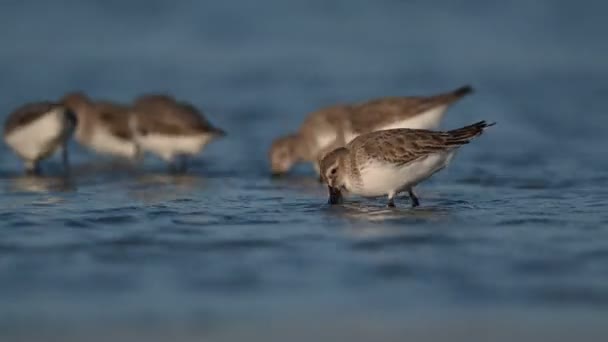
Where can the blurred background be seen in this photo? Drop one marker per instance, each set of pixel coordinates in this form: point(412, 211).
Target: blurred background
point(513, 237)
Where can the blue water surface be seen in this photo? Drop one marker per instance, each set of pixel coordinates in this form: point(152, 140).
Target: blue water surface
point(511, 240)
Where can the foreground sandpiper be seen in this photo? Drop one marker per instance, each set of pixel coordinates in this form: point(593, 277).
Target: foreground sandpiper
point(35, 131)
point(333, 127)
point(392, 161)
point(103, 126)
point(170, 129)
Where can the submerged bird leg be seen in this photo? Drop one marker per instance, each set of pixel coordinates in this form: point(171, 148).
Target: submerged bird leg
point(413, 198)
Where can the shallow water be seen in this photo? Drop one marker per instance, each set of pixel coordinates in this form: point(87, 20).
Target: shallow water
point(511, 241)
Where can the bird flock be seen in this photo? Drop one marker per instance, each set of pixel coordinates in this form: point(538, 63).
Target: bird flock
point(382, 147)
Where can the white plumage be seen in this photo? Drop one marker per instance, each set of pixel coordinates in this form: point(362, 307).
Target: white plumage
point(168, 147)
point(102, 141)
point(40, 138)
point(380, 178)
point(426, 120)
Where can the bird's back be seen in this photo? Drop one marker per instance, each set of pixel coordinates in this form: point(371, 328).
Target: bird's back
point(163, 114)
point(27, 114)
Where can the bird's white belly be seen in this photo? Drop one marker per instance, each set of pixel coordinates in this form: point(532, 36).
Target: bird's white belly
point(429, 119)
point(167, 146)
point(39, 138)
point(104, 142)
point(380, 178)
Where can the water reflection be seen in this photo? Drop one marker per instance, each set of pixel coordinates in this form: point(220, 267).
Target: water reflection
point(302, 183)
point(41, 184)
point(162, 187)
point(371, 211)
point(104, 166)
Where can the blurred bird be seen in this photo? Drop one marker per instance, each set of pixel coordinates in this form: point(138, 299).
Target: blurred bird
point(103, 126)
point(334, 127)
point(36, 130)
point(391, 161)
point(171, 129)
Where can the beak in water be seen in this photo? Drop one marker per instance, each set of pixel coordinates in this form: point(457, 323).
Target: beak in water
point(335, 196)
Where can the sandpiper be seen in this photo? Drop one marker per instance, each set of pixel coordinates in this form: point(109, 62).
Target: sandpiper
point(36, 130)
point(171, 129)
point(103, 126)
point(392, 161)
point(333, 127)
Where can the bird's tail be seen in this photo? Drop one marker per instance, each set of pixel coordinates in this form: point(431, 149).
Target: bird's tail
point(465, 134)
point(462, 91)
point(456, 94)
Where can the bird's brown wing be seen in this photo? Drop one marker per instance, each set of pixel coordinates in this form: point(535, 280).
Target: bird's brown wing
point(163, 114)
point(116, 119)
point(26, 114)
point(371, 115)
point(402, 146)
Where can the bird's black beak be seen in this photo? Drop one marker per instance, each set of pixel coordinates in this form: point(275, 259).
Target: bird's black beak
point(335, 196)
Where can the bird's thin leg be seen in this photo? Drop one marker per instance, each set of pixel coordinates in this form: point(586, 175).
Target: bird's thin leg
point(413, 198)
point(32, 168)
point(65, 158)
point(138, 157)
point(391, 200)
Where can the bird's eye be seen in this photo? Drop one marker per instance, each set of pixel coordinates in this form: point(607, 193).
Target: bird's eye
point(333, 171)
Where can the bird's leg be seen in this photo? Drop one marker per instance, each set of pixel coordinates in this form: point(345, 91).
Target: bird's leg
point(138, 157)
point(391, 200)
point(32, 168)
point(413, 198)
point(65, 159)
